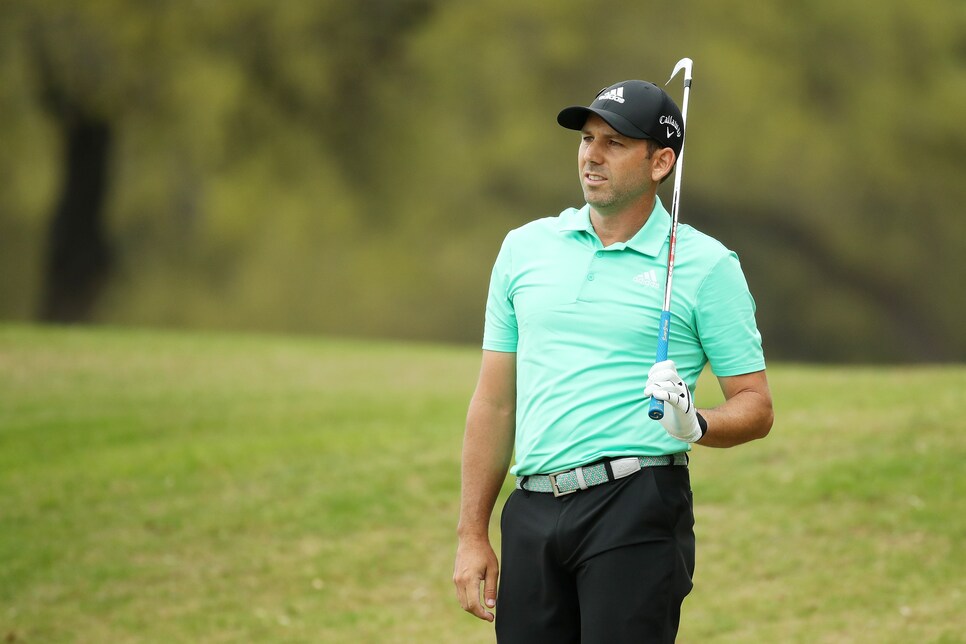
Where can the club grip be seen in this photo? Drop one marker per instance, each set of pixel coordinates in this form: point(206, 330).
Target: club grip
point(656, 410)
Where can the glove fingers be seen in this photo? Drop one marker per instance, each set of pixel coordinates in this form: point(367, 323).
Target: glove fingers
point(675, 386)
point(662, 385)
point(670, 394)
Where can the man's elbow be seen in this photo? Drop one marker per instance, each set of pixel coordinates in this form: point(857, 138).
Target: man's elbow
point(766, 418)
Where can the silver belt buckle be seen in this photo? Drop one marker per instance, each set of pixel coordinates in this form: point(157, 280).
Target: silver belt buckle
point(553, 484)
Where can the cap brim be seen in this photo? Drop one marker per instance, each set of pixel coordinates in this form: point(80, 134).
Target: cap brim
point(573, 118)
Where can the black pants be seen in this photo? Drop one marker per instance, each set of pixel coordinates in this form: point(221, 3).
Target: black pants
point(610, 564)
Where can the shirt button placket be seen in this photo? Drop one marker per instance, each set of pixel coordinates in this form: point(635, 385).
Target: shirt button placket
point(591, 275)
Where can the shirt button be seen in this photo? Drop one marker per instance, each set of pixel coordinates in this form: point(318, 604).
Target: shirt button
point(599, 253)
point(590, 277)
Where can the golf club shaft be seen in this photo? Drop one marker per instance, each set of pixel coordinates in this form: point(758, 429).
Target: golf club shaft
point(656, 409)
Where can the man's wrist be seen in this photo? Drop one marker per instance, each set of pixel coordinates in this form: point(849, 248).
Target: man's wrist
point(477, 532)
point(702, 424)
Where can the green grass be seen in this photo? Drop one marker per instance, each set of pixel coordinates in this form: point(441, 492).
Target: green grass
point(176, 487)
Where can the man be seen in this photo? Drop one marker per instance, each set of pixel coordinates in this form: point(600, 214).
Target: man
point(597, 539)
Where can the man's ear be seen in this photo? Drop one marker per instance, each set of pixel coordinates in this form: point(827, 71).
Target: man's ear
point(662, 162)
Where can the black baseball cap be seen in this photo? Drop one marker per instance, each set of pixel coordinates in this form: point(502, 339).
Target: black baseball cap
point(635, 108)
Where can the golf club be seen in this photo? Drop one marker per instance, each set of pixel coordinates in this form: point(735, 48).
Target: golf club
point(656, 410)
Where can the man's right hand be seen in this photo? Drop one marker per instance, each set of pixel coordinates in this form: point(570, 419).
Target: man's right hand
point(476, 563)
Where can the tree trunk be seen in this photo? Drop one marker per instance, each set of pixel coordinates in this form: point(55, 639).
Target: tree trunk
point(79, 258)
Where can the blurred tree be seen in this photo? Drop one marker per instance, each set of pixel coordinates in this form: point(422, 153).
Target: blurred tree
point(79, 258)
point(74, 55)
point(99, 66)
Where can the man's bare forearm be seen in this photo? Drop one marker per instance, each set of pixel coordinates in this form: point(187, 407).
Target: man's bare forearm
point(745, 415)
point(487, 449)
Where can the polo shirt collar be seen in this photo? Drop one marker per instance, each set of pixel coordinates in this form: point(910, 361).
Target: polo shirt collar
point(575, 220)
point(648, 240)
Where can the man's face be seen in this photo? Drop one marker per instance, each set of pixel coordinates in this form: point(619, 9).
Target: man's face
point(615, 170)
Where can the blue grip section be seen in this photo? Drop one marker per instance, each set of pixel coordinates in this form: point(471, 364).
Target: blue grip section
point(656, 410)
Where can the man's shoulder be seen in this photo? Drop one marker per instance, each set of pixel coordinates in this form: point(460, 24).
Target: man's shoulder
point(702, 244)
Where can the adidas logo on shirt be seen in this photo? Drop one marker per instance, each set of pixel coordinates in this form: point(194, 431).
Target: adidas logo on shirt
point(616, 94)
point(647, 278)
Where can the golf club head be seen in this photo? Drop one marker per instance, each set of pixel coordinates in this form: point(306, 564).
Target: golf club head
point(685, 64)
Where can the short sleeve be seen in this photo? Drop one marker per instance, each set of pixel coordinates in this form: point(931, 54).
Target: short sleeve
point(500, 327)
point(725, 320)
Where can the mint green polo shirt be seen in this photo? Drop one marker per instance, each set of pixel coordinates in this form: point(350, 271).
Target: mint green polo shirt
point(583, 321)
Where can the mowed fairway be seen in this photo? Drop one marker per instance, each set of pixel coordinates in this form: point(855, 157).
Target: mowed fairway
point(175, 487)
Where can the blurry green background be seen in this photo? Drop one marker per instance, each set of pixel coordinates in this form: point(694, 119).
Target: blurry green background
point(351, 167)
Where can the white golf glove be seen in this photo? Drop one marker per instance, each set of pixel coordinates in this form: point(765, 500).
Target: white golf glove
point(680, 416)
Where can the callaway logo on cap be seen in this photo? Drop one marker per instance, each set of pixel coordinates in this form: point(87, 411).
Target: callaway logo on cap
point(635, 108)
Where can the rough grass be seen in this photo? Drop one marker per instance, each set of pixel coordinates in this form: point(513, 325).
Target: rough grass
point(159, 487)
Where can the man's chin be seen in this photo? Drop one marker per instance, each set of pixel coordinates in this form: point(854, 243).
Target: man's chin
point(597, 203)
point(595, 198)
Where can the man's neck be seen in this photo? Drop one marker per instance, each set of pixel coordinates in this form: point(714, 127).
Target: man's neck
point(622, 225)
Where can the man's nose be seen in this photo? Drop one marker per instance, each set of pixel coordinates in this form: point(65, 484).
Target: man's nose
point(593, 152)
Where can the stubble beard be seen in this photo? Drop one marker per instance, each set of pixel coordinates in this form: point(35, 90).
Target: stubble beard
point(610, 200)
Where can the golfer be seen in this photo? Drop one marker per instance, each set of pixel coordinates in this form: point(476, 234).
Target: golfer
point(597, 537)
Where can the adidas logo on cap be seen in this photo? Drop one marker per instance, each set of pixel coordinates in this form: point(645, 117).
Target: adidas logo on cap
point(616, 94)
